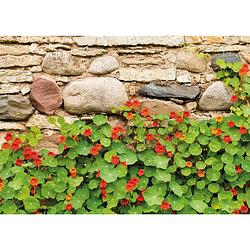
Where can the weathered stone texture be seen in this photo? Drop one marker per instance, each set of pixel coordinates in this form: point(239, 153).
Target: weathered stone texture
point(15, 107)
point(93, 94)
point(8, 61)
point(45, 95)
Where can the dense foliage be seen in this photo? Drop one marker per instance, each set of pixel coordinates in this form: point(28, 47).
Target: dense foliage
point(163, 164)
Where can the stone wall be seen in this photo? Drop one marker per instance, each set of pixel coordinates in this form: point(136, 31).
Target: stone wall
point(75, 77)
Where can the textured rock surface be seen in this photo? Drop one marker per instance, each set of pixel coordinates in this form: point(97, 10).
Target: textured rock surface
point(11, 126)
point(226, 56)
point(183, 76)
point(13, 61)
point(15, 75)
point(8, 89)
point(45, 95)
point(93, 94)
point(147, 75)
point(103, 65)
point(216, 97)
point(175, 91)
point(49, 142)
point(62, 63)
point(15, 107)
point(161, 107)
point(14, 49)
point(190, 61)
point(170, 41)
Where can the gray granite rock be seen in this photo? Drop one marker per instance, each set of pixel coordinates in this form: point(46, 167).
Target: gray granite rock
point(93, 94)
point(170, 91)
point(62, 63)
point(216, 97)
point(103, 65)
point(228, 57)
point(15, 107)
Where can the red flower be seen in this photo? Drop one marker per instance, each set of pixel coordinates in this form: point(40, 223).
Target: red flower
point(218, 132)
point(244, 209)
point(231, 124)
point(145, 112)
point(50, 153)
point(136, 104)
point(129, 186)
point(169, 154)
point(234, 191)
point(227, 139)
point(27, 155)
point(6, 145)
point(124, 202)
point(114, 159)
point(19, 162)
point(17, 141)
point(168, 138)
point(238, 169)
point(68, 207)
point(236, 211)
point(38, 162)
point(33, 181)
point(243, 130)
point(155, 124)
point(179, 119)
point(87, 132)
point(114, 135)
point(234, 98)
point(27, 150)
point(98, 173)
point(244, 69)
point(140, 198)
point(172, 115)
point(34, 155)
point(103, 184)
point(165, 205)
point(129, 103)
point(8, 136)
point(160, 149)
point(103, 191)
point(104, 196)
point(141, 172)
point(94, 151)
point(134, 181)
point(124, 163)
point(62, 139)
point(98, 146)
point(15, 146)
point(178, 134)
point(150, 137)
point(186, 114)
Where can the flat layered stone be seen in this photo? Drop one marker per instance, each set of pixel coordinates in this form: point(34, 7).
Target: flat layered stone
point(190, 61)
point(15, 50)
point(49, 142)
point(93, 94)
point(183, 76)
point(15, 75)
point(62, 63)
point(170, 41)
point(15, 107)
point(103, 65)
point(228, 57)
point(170, 91)
point(161, 107)
point(216, 97)
point(12, 126)
point(88, 52)
point(147, 75)
point(8, 61)
point(45, 95)
point(8, 89)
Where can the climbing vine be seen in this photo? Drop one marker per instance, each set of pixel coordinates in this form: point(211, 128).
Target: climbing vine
point(164, 164)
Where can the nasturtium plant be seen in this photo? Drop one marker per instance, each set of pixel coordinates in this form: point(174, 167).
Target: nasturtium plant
point(158, 164)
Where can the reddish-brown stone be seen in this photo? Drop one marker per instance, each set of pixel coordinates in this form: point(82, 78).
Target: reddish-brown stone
point(45, 95)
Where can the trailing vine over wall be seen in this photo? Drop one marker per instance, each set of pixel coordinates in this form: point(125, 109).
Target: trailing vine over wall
point(155, 164)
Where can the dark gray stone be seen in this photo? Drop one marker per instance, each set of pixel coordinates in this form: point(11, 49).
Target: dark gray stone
point(228, 57)
point(170, 91)
point(15, 107)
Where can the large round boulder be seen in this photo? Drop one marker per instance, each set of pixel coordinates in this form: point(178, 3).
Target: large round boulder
point(93, 94)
